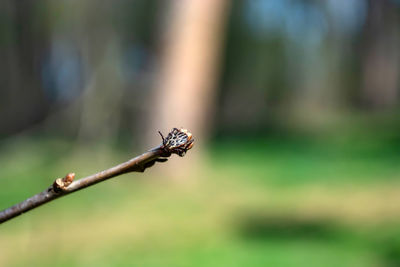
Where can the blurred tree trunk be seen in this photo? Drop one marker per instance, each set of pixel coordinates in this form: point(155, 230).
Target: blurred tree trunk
point(186, 88)
point(381, 55)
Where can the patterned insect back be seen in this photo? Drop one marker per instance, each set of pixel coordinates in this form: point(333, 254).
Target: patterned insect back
point(178, 141)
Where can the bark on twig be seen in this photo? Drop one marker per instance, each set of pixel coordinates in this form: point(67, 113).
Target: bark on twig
point(178, 142)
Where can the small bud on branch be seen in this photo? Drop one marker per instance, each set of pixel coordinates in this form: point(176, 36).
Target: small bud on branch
point(61, 184)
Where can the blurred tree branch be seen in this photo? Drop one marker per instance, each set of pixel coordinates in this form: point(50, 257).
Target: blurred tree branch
point(178, 141)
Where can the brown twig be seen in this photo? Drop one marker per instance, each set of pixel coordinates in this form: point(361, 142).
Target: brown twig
point(178, 142)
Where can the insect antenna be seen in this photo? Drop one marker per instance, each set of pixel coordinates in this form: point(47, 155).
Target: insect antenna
point(162, 136)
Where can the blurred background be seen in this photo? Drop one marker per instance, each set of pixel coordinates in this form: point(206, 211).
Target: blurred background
point(293, 105)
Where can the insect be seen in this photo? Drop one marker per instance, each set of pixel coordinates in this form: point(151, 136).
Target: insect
point(178, 141)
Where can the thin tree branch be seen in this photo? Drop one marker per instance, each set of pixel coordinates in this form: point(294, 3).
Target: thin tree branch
point(178, 141)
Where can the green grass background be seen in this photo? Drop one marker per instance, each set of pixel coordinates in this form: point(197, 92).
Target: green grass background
point(250, 202)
